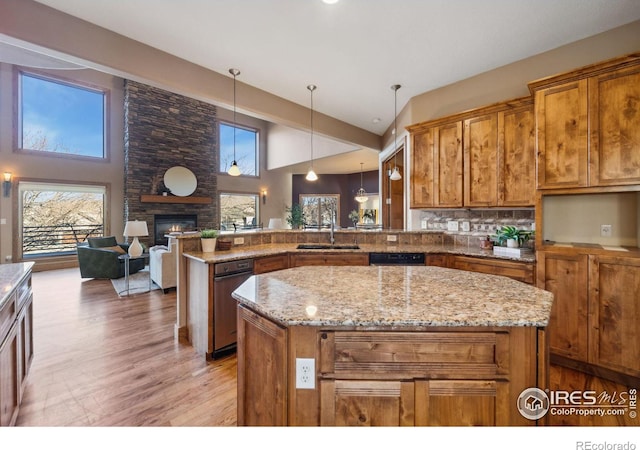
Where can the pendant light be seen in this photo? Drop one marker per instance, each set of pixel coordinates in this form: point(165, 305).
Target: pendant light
point(234, 170)
point(395, 175)
point(311, 175)
point(361, 195)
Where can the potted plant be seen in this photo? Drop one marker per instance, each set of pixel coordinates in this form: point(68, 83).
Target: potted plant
point(295, 216)
point(354, 217)
point(208, 240)
point(511, 236)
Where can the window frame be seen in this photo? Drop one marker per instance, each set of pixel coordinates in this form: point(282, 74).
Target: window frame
point(69, 82)
point(319, 196)
point(239, 193)
point(23, 184)
point(239, 126)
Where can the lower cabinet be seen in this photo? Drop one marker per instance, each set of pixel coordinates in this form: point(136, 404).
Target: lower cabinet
point(596, 312)
point(329, 259)
point(16, 347)
point(267, 264)
point(520, 271)
point(440, 377)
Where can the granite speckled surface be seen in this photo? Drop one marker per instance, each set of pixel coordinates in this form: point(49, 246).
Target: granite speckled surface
point(10, 276)
point(393, 297)
point(256, 251)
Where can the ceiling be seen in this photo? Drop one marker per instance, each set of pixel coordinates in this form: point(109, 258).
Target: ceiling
point(353, 50)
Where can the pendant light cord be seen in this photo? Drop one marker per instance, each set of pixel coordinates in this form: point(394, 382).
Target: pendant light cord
point(311, 88)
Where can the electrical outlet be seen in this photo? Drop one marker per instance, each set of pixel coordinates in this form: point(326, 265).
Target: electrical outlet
point(238, 241)
point(3, 221)
point(305, 373)
point(452, 225)
point(466, 226)
point(392, 238)
point(605, 230)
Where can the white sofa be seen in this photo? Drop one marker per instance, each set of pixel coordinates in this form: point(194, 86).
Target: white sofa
point(162, 265)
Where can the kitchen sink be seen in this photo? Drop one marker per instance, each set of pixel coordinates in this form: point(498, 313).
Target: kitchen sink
point(327, 247)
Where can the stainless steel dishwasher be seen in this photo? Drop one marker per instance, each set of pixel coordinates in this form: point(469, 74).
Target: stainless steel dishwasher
point(227, 277)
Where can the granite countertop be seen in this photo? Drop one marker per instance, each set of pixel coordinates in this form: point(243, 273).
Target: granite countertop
point(257, 251)
point(10, 276)
point(393, 297)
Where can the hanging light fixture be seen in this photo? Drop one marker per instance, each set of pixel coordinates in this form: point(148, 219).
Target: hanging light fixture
point(395, 175)
point(311, 175)
point(234, 170)
point(361, 195)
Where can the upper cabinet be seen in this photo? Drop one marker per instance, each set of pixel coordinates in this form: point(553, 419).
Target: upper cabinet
point(479, 158)
point(588, 126)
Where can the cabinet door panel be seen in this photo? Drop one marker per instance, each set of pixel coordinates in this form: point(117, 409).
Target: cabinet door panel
point(367, 403)
point(566, 276)
point(614, 109)
point(462, 403)
point(615, 313)
point(517, 157)
point(449, 165)
point(561, 117)
point(422, 169)
point(480, 161)
point(9, 383)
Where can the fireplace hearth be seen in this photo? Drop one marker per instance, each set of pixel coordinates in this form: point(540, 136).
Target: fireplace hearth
point(167, 223)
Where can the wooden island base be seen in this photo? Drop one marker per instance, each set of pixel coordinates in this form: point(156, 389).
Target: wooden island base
point(437, 376)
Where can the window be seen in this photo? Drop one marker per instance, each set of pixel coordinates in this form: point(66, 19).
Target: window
point(238, 211)
point(61, 118)
point(320, 210)
point(246, 148)
point(55, 217)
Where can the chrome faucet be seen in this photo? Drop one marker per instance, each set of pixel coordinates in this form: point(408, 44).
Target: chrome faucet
point(332, 220)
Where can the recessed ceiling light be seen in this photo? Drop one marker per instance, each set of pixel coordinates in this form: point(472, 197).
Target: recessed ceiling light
point(330, 2)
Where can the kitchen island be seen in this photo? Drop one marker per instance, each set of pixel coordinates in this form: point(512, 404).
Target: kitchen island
point(401, 345)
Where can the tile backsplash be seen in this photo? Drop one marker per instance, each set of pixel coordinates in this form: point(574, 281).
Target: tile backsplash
point(476, 222)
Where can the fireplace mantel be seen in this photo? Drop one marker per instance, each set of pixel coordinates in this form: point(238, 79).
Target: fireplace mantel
point(174, 199)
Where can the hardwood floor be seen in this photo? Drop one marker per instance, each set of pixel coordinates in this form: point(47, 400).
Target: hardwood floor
point(101, 360)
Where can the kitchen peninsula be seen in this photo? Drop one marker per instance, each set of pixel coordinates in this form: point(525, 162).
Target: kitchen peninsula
point(382, 345)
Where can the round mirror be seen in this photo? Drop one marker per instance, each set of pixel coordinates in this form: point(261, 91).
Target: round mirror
point(180, 181)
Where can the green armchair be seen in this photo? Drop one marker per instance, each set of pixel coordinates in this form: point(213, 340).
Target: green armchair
point(98, 258)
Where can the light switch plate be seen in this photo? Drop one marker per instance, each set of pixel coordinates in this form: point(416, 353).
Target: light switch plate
point(452, 225)
point(392, 238)
point(465, 226)
point(238, 241)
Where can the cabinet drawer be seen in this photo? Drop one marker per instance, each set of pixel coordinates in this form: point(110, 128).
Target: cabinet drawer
point(329, 259)
point(517, 270)
point(23, 292)
point(270, 263)
point(7, 315)
point(397, 355)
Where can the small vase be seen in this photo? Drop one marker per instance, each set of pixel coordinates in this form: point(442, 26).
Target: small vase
point(208, 245)
point(513, 243)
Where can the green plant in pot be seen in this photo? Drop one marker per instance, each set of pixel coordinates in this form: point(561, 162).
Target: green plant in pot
point(354, 216)
point(295, 216)
point(208, 239)
point(511, 236)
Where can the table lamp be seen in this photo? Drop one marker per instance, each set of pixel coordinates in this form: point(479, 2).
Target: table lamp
point(135, 228)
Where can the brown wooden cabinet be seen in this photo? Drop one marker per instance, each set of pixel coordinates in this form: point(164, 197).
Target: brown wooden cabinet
point(328, 259)
point(437, 170)
point(614, 313)
point(566, 276)
point(270, 263)
point(521, 271)
point(479, 158)
point(588, 125)
point(262, 371)
point(16, 347)
point(595, 315)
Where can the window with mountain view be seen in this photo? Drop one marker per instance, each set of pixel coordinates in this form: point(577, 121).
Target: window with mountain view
point(60, 117)
point(56, 217)
point(238, 211)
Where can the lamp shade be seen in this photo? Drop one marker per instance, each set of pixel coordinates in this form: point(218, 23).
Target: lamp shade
point(135, 228)
point(276, 224)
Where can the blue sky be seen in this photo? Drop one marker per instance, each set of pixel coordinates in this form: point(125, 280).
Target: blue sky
point(70, 118)
point(245, 149)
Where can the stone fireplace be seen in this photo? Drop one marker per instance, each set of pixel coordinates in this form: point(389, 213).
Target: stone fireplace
point(167, 223)
point(163, 130)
